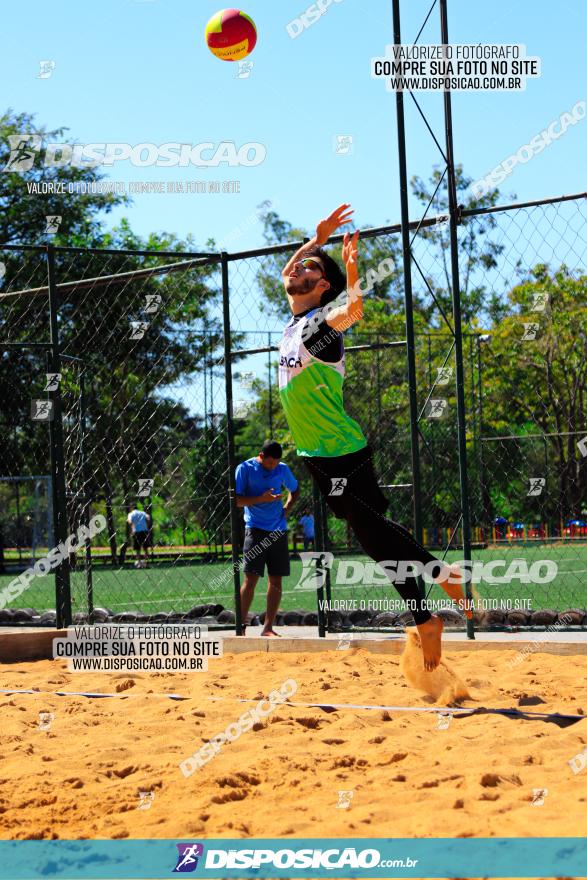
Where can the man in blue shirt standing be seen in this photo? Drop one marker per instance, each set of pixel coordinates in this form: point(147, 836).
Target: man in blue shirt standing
point(259, 484)
point(138, 521)
point(307, 523)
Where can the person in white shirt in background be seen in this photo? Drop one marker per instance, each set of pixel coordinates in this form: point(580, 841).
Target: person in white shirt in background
point(139, 523)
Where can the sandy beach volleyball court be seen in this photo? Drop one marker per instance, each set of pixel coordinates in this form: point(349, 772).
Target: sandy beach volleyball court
point(108, 768)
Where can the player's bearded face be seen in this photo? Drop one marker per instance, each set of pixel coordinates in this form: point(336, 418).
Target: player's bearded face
point(304, 276)
point(298, 284)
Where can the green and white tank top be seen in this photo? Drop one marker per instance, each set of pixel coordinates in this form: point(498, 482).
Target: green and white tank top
point(311, 394)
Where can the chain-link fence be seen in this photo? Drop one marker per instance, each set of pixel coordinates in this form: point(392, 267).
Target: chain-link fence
point(117, 383)
point(27, 526)
point(525, 573)
point(529, 467)
point(113, 370)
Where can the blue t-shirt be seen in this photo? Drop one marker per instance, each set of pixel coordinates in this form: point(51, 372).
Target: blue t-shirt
point(252, 479)
point(139, 522)
point(307, 524)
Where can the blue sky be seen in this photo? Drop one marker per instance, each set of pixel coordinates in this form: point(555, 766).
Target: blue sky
point(139, 71)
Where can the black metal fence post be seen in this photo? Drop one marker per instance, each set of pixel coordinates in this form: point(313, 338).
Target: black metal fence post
point(326, 544)
point(62, 576)
point(458, 330)
point(234, 529)
point(409, 303)
point(86, 498)
point(320, 559)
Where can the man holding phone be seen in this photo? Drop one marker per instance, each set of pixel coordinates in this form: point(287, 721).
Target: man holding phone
point(259, 484)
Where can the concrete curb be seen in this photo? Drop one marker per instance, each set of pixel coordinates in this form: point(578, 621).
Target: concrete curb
point(38, 645)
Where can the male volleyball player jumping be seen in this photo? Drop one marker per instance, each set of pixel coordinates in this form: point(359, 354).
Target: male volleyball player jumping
point(332, 444)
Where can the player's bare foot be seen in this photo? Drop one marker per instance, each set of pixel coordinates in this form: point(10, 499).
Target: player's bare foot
point(271, 633)
point(430, 636)
point(451, 581)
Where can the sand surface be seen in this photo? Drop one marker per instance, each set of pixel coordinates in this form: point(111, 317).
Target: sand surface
point(83, 777)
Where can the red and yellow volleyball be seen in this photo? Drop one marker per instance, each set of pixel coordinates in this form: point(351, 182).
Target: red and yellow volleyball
point(231, 34)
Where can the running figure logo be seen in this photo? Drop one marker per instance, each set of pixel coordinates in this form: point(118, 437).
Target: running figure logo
point(42, 410)
point(539, 302)
point(22, 157)
point(53, 380)
point(138, 329)
point(343, 144)
point(530, 332)
point(52, 223)
point(45, 720)
point(436, 409)
point(146, 800)
point(444, 720)
point(145, 486)
point(344, 799)
point(314, 567)
point(187, 860)
point(245, 69)
point(537, 484)
point(444, 375)
point(46, 69)
point(338, 484)
point(153, 303)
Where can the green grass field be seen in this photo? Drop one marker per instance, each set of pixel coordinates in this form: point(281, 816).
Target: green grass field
point(174, 587)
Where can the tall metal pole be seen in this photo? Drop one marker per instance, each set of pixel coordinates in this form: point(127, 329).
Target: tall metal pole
point(485, 497)
point(270, 386)
point(86, 495)
point(234, 529)
point(206, 347)
point(475, 432)
point(18, 523)
point(212, 426)
point(50, 513)
point(207, 432)
point(408, 298)
point(326, 544)
point(458, 330)
point(62, 581)
point(320, 547)
point(378, 369)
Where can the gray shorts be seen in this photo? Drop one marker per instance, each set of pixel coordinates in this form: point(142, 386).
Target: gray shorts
point(266, 548)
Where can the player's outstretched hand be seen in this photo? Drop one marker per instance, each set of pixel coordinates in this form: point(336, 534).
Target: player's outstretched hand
point(338, 218)
point(349, 250)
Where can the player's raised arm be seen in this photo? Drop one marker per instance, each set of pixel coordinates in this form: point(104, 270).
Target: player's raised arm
point(324, 229)
point(344, 316)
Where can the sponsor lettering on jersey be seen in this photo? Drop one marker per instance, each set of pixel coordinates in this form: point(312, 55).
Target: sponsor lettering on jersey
point(289, 362)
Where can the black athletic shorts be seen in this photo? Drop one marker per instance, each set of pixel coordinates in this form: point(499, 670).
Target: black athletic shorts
point(266, 548)
point(140, 540)
point(346, 480)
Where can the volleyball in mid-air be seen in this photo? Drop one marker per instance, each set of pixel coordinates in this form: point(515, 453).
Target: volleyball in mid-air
point(231, 34)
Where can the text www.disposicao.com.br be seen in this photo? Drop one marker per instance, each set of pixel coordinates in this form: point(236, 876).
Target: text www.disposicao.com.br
point(135, 664)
